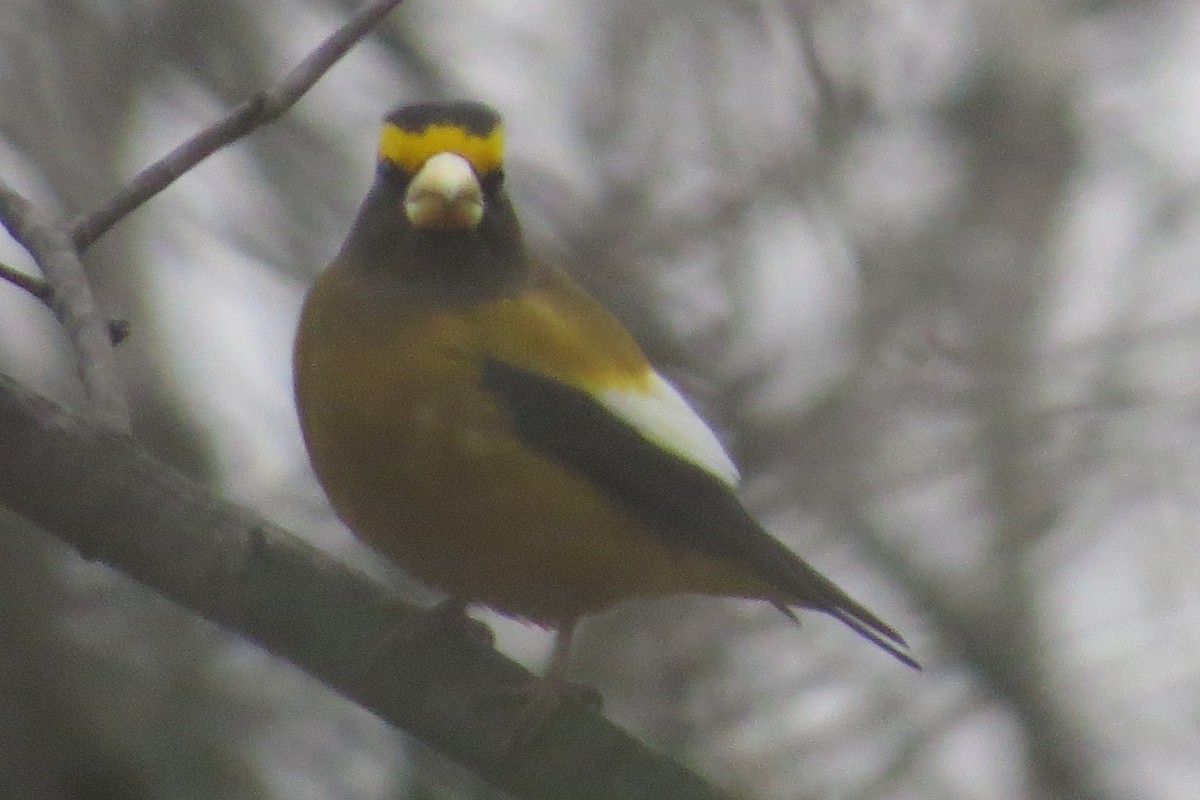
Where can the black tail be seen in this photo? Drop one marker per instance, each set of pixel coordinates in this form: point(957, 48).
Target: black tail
point(871, 628)
point(839, 605)
point(868, 626)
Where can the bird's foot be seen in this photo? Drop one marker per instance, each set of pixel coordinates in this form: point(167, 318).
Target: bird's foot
point(538, 701)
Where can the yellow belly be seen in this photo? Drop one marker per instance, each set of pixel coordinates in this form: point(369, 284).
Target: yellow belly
point(423, 465)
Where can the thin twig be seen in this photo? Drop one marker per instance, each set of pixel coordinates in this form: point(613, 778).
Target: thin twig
point(65, 289)
point(35, 286)
point(118, 329)
point(47, 241)
point(257, 111)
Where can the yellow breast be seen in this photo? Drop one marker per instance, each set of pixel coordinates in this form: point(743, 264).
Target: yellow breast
point(424, 465)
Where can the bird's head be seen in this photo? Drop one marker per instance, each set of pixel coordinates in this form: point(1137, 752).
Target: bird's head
point(437, 217)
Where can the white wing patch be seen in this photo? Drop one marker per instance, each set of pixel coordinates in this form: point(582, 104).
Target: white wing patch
point(662, 415)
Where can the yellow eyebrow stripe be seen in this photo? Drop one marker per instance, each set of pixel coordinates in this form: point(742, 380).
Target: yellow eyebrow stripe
point(409, 150)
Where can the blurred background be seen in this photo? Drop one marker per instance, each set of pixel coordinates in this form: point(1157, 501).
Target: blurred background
point(929, 266)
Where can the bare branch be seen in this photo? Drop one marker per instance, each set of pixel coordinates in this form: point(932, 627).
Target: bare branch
point(72, 301)
point(118, 329)
point(257, 111)
point(35, 286)
point(65, 288)
point(105, 496)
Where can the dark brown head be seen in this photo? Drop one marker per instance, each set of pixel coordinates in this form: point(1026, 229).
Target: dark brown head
point(437, 218)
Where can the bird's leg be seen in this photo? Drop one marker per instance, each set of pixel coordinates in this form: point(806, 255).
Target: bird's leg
point(541, 698)
point(558, 656)
point(555, 679)
point(554, 686)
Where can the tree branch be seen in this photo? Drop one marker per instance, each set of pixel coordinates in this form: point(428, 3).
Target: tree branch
point(31, 284)
point(118, 329)
point(257, 111)
point(107, 498)
point(72, 302)
point(65, 289)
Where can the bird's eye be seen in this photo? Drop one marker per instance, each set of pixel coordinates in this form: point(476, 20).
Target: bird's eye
point(392, 174)
point(493, 180)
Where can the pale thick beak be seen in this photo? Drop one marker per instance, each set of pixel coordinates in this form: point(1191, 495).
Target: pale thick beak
point(444, 194)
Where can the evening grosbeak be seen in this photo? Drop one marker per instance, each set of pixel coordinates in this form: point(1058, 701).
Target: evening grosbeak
point(484, 423)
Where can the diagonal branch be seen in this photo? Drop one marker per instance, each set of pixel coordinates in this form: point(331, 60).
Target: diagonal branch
point(23, 280)
point(259, 110)
point(107, 498)
point(65, 288)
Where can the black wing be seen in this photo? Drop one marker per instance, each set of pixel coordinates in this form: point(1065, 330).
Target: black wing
point(689, 507)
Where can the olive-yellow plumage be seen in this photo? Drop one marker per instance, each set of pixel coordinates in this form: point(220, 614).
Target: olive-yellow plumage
point(424, 465)
point(487, 425)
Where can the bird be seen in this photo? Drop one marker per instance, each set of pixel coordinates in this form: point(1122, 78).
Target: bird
point(483, 422)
